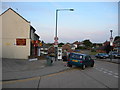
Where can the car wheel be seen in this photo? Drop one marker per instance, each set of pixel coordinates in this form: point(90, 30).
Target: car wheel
point(92, 65)
point(83, 67)
point(69, 65)
point(104, 57)
point(115, 57)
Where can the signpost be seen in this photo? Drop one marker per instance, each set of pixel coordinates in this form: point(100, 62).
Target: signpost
point(56, 47)
point(56, 38)
point(111, 44)
point(20, 42)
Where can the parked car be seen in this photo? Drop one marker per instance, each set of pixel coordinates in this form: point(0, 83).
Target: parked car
point(64, 58)
point(81, 60)
point(102, 55)
point(114, 54)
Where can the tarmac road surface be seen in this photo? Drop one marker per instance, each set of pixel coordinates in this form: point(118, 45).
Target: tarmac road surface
point(102, 75)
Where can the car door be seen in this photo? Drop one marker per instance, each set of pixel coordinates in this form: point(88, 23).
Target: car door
point(89, 60)
point(86, 60)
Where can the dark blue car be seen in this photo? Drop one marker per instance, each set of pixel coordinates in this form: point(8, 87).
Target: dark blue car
point(114, 54)
point(102, 55)
point(81, 60)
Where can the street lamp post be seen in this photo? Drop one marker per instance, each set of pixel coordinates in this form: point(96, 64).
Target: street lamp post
point(111, 44)
point(56, 37)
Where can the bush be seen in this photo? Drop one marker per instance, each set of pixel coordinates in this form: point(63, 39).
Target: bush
point(81, 47)
point(93, 50)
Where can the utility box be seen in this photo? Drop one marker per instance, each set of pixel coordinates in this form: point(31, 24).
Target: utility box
point(49, 61)
point(59, 53)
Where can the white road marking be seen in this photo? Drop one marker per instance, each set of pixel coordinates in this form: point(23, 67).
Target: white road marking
point(116, 73)
point(104, 72)
point(115, 76)
point(109, 73)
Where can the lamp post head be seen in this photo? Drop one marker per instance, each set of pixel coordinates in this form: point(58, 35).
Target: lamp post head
point(71, 9)
point(110, 30)
point(65, 10)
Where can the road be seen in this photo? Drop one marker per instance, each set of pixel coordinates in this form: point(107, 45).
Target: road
point(102, 75)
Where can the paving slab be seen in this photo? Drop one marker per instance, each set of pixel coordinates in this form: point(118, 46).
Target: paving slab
point(16, 69)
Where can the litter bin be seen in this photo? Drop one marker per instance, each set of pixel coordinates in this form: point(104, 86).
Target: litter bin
point(49, 60)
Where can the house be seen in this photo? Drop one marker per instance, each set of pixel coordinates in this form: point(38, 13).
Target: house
point(78, 44)
point(67, 47)
point(17, 35)
point(34, 41)
point(116, 44)
point(104, 48)
point(75, 44)
point(81, 44)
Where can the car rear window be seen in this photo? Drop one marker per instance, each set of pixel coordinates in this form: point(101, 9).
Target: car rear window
point(102, 54)
point(76, 56)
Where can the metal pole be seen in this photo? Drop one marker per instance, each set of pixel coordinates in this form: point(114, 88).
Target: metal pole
point(56, 51)
point(56, 45)
point(111, 46)
point(111, 32)
point(56, 22)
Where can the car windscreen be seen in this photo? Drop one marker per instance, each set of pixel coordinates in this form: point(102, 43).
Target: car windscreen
point(113, 53)
point(76, 56)
point(102, 54)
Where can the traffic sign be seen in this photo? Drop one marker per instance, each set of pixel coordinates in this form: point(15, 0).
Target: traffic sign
point(56, 38)
point(56, 43)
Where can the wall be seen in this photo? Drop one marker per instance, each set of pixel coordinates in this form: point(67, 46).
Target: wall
point(13, 26)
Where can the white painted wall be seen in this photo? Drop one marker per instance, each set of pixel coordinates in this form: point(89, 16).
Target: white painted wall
point(13, 26)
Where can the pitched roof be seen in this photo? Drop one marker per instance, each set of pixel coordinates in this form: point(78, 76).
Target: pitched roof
point(31, 27)
point(16, 13)
point(76, 42)
point(37, 35)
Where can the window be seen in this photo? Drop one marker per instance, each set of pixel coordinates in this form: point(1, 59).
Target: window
point(76, 56)
point(87, 58)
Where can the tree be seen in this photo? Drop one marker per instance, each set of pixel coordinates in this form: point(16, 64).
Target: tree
point(116, 38)
point(87, 43)
point(60, 44)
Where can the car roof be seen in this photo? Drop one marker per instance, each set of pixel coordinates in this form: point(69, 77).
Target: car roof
point(102, 53)
point(79, 54)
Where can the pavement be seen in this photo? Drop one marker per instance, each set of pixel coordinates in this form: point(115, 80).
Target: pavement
point(15, 69)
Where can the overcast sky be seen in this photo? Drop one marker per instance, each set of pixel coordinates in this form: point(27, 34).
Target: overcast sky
point(89, 20)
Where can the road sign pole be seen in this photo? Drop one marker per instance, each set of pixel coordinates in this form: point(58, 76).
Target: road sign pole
point(111, 44)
